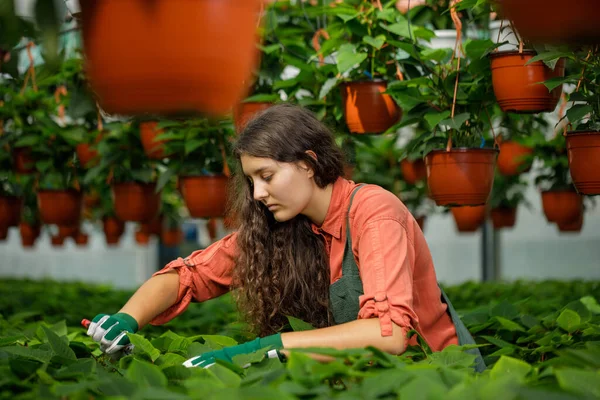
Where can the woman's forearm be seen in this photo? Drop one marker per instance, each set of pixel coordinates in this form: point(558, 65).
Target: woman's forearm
point(354, 334)
point(153, 297)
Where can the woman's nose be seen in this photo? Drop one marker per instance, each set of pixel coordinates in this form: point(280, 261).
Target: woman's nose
point(259, 192)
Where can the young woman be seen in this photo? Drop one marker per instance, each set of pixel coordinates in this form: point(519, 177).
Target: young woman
point(349, 259)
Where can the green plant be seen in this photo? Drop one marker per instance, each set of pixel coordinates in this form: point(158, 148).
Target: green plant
point(552, 155)
point(508, 192)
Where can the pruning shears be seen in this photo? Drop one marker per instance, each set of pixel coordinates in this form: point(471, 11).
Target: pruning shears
point(127, 349)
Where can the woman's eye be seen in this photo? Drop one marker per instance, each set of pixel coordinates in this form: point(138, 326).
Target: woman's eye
point(267, 178)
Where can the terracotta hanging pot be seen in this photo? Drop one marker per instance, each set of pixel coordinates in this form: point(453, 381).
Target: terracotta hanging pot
point(66, 231)
point(57, 241)
point(245, 112)
point(152, 228)
point(142, 238)
point(154, 149)
point(3, 232)
point(113, 229)
point(136, 202)
point(367, 109)
point(88, 156)
point(518, 87)
point(172, 237)
point(10, 210)
point(204, 196)
point(574, 226)
point(81, 239)
point(554, 21)
point(413, 171)
point(172, 56)
point(562, 206)
point(23, 162)
point(460, 176)
point(583, 148)
point(29, 234)
point(468, 219)
point(60, 207)
point(511, 160)
point(504, 217)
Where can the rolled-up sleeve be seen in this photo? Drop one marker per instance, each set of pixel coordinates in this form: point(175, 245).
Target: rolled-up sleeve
point(203, 275)
point(386, 264)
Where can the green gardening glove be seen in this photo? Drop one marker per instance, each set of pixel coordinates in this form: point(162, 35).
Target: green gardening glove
point(111, 331)
point(205, 360)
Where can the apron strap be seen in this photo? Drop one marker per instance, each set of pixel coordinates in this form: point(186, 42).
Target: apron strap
point(349, 266)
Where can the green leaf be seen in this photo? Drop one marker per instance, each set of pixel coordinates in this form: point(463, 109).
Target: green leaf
point(509, 325)
point(452, 356)
point(10, 340)
point(437, 55)
point(143, 346)
point(456, 122)
point(169, 359)
point(505, 310)
point(569, 320)
point(591, 304)
point(555, 82)
point(586, 383)
point(217, 342)
point(165, 177)
point(376, 42)
point(193, 144)
point(327, 86)
point(347, 58)
point(177, 372)
point(433, 119)
point(510, 366)
point(476, 49)
point(298, 324)
point(27, 352)
point(400, 28)
point(550, 58)
point(145, 374)
point(578, 112)
point(59, 347)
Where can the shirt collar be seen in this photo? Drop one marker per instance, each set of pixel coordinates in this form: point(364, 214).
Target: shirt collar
point(337, 209)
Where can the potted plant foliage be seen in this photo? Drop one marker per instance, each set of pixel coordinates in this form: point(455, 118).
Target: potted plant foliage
point(171, 234)
point(29, 227)
point(11, 200)
point(452, 96)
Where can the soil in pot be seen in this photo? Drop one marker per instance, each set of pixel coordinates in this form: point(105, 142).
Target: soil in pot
point(517, 86)
point(460, 176)
point(367, 109)
point(583, 149)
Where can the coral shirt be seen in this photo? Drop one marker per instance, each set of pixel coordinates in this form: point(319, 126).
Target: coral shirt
point(394, 262)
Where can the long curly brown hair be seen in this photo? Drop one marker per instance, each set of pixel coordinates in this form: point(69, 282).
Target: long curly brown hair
point(282, 268)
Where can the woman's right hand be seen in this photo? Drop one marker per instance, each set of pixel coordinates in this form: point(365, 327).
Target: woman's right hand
point(110, 331)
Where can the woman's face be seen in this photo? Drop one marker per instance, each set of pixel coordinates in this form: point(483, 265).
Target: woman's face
point(285, 188)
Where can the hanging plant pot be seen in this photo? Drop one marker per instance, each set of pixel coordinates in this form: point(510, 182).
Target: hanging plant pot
point(154, 149)
point(60, 207)
point(413, 171)
point(113, 229)
point(204, 196)
point(555, 21)
point(152, 228)
point(10, 210)
point(87, 155)
point(29, 234)
point(518, 87)
point(573, 226)
point(81, 239)
point(142, 238)
point(504, 217)
point(460, 176)
point(511, 160)
point(562, 206)
point(172, 237)
point(133, 70)
point(468, 219)
point(136, 202)
point(66, 231)
point(583, 148)
point(3, 232)
point(245, 112)
point(23, 162)
point(57, 241)
point(367, 109)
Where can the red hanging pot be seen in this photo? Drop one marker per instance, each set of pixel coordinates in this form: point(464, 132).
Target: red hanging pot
point(10, 210)
point(136, 202)
point(554, 21)
point(367, 109)
point(562, 206)
point(574, 226)
point(518, 87)
point(204, 196)
point(511, 160)
point(154, 149)
point(60, 207)
point(413, 171)
point(113, 229)
point(583, 148)
point(29, 234)
point(166, 56)
point(172, 237)
point(468, 219)
point(245, 112)
point(460, 176)
point(504, 217)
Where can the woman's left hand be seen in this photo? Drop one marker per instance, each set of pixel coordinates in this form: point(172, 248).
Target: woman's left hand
point(207, 359)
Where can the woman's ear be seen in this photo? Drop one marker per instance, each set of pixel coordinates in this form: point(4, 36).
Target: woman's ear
point(311, 154)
